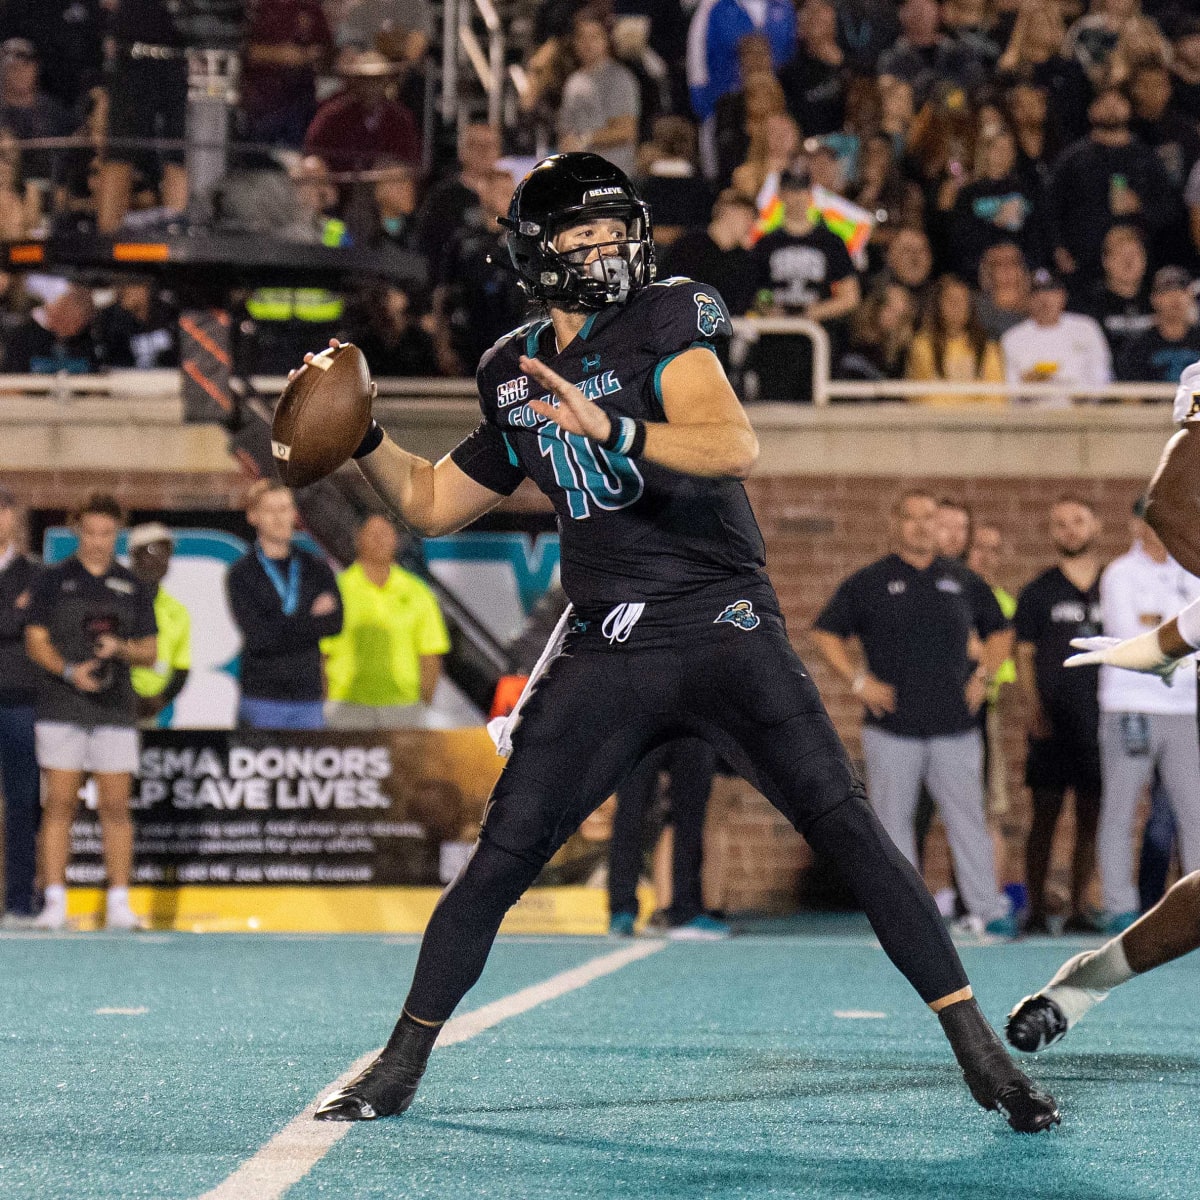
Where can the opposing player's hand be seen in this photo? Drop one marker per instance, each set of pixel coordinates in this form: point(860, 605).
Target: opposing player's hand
point(1131, 654)
point(575, 412)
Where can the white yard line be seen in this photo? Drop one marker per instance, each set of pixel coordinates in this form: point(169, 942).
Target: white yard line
point(303, 1142)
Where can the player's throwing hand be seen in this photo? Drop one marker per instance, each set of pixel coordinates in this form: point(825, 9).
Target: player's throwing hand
point(575, 412)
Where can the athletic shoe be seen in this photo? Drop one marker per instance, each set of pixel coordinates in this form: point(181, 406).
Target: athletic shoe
point(1002, 927)
point(1035, 1023)
point(388, 1086)
point(121, 916)
point(53, 916)
point(1036, 927)
point(700, 929)
point(17, 921)
point(620, 925)
point(1084, 922)
point(1115, 923)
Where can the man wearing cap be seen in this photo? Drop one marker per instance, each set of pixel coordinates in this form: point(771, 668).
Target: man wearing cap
point(1055, 346)
point(150, 548)
point(25, 110)
point(18, 756)
point(1144, 723)
point(801, 269)
point(1172, 343)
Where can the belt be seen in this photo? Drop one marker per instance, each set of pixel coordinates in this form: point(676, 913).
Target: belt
point(144, 50)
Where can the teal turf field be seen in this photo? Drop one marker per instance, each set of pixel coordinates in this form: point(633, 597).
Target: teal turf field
point(781, 1064)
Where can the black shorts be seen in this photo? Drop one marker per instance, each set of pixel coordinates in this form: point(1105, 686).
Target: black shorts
point(147, 98)
point(717, 666)
point(1066, 760)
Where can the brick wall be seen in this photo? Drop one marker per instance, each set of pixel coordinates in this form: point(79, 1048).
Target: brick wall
point(133, 489)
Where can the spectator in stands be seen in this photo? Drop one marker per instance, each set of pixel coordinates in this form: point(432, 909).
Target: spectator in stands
point(953, 528)
point(671, 184)
point(363, 124)
point(1160, 354)
point(395, 196)
point(146, 98)
point(1034, 56)
point(1053, 345)
point(974, 26)
point(1105, 178)
point(882, 189)
point(941, 149)
point(89, 621)
point(288, 45)
point(361, 24)
point(719, 255)
point(1027, 107)
point(1003, 297)
point(18, 757)
point(1191, 198)
point(739, 117)
point(881, 329)
point(909, 262)
point(15, 306)
point(1094, 40)
point(477, 298)
point(996, 206)
point(923, 56)
point(57, 336)
point(800, 269)
point(773, 146)
point(897, 109)
point(631, 48)
point(384, 665)
point(284, 601)
point(916, 616)
point(601, 103)
point(1062, 714)
point(1185, 66)
point(69, 36)
point(448, 203)
point(866, 28)
point(952, 346)
point(137, 330)
point(1144, 726)
point(392, 335)
point(1120, 302)
point(714, 38)
point(1171, 134)
point(158, 686)
point(14, 207)
point(26, 110)
point(815, 79)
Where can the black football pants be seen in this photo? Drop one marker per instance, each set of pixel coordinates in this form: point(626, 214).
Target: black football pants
point(600, 708)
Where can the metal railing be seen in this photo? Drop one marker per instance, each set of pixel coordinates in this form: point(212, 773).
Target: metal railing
point(459, 40)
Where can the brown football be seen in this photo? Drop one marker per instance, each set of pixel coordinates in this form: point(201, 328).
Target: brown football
point(322, 415)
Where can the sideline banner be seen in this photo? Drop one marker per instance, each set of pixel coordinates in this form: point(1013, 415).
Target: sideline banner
point(253, 808)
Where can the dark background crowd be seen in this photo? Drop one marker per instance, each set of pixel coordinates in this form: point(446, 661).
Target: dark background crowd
point(948, 188)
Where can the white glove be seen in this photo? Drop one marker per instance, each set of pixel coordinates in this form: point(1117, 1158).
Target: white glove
point(1141, 653)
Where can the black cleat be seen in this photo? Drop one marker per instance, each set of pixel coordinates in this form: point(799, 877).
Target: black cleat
point(1037, 1022)
point(388, 1086)
point(994, 1080)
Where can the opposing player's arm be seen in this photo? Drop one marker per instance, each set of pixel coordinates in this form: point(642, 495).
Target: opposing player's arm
point(431, 499)
point(706, 433)
point(1173, 500)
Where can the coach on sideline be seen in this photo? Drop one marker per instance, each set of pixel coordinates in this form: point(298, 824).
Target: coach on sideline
point(90, 620)
point(914, 614)
point(284, 601)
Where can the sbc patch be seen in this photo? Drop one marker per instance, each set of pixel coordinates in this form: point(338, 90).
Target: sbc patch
point(708, 314)
point(1195, 408)
point(513, 391)
point(740, 613)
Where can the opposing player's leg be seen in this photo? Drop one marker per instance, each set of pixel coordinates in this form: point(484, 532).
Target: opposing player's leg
point(770, 724)
point(1168, 931)
point(580, 734)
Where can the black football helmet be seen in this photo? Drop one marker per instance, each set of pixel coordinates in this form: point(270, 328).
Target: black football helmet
point(565, 190)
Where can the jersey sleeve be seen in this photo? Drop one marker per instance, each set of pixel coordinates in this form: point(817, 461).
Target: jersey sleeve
point(1187, 396)
point(840, 615)
point(41, 598)
point(488, 459)
point(989, 617)
point(1027, 620)
point(686, 313)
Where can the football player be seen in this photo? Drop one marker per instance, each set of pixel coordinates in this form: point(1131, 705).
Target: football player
point(614, 403)
point(1172, 927)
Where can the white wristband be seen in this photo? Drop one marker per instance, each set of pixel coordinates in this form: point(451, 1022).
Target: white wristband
point(1188, 622)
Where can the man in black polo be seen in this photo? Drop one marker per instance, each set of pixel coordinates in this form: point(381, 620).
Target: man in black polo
point(914, 614)
point(18, 758)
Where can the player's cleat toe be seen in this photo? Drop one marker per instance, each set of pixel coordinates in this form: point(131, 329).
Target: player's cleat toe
point(345, 1104)
point(1035, 1023)
point(1025, 1107)
point(385, 1089)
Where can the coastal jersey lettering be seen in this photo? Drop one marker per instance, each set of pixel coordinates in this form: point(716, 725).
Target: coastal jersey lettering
point(626, 526)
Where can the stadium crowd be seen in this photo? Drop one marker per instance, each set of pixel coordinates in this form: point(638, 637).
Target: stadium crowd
point(967, 191)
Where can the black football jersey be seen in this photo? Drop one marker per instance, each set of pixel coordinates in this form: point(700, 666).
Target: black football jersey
point(630, 530)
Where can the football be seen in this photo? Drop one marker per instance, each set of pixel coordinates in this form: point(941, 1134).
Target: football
point(322, 415)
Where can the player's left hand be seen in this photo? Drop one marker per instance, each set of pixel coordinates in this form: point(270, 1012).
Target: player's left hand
point(575, 412)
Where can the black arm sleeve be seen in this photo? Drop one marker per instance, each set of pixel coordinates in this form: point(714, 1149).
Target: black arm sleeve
point(486, 457)
point(989, 617)
point(840, 615)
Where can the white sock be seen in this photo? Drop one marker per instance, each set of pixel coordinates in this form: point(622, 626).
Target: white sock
point(1083, 981)
point(118, 897)
point(56, 895)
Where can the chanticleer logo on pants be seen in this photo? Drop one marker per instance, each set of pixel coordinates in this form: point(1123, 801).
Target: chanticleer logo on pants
point(740, 613)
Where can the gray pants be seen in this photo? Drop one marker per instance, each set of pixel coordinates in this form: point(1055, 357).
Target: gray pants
point(1127, 761)
point(952, 769)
